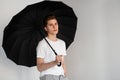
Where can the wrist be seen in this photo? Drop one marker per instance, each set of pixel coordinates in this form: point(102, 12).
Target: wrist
point(55, 62)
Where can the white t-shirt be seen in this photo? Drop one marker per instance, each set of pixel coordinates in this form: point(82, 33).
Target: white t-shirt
point(44, 51)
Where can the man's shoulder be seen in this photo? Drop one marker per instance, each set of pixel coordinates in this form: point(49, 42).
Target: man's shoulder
point(42, 42)
point(61, 41)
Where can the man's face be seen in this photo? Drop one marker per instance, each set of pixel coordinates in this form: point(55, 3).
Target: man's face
point(52, 27)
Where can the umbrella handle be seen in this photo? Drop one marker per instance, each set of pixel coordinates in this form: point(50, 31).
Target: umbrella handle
point(59, 64)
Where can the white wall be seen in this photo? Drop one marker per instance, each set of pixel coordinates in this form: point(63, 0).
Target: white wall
point(94, 55)
point(8, 69)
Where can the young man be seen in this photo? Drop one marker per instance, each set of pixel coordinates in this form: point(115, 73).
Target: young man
point(46, 59)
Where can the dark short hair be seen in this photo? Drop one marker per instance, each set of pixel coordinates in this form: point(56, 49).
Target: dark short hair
point(48, 17)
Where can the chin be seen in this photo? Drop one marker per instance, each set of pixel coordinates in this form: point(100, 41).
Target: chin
point(55, 33)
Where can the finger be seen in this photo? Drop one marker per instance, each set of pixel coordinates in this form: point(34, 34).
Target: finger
point(61, 55)
point(58, 59)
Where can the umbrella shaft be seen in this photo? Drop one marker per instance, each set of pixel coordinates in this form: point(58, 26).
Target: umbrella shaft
point(51, 47)
point(59, 64)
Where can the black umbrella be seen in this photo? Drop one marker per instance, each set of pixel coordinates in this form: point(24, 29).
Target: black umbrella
point(23, 33)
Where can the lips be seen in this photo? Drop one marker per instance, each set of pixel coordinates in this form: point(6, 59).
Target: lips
point(54, 30)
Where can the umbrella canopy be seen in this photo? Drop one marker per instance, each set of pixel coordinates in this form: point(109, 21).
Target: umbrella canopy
point(23, 33)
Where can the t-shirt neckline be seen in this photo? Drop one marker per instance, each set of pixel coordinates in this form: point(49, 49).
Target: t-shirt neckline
point(52, 40)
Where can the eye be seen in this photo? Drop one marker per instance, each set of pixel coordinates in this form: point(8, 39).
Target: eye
point(56, 23)
point(50, 25)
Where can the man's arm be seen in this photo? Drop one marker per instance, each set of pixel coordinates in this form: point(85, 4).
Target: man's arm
point(41, 66)
point(64, 67)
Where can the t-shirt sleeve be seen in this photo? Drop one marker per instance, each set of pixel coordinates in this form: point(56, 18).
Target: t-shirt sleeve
point(64, 49)
point(40, 50)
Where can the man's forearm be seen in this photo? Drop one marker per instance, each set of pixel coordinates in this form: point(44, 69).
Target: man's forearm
point(64, 68)
point(45, 66)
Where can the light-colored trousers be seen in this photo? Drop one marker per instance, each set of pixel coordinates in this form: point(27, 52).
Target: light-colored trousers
point(53, 77)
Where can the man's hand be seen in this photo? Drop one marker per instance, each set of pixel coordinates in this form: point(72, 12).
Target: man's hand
point(59, 58)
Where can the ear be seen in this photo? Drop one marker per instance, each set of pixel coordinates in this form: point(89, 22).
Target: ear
point(45, 28)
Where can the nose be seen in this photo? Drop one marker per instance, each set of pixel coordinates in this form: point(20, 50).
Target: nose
point(54, 26)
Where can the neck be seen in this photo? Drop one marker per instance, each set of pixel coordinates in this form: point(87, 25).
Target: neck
point(52, 37)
